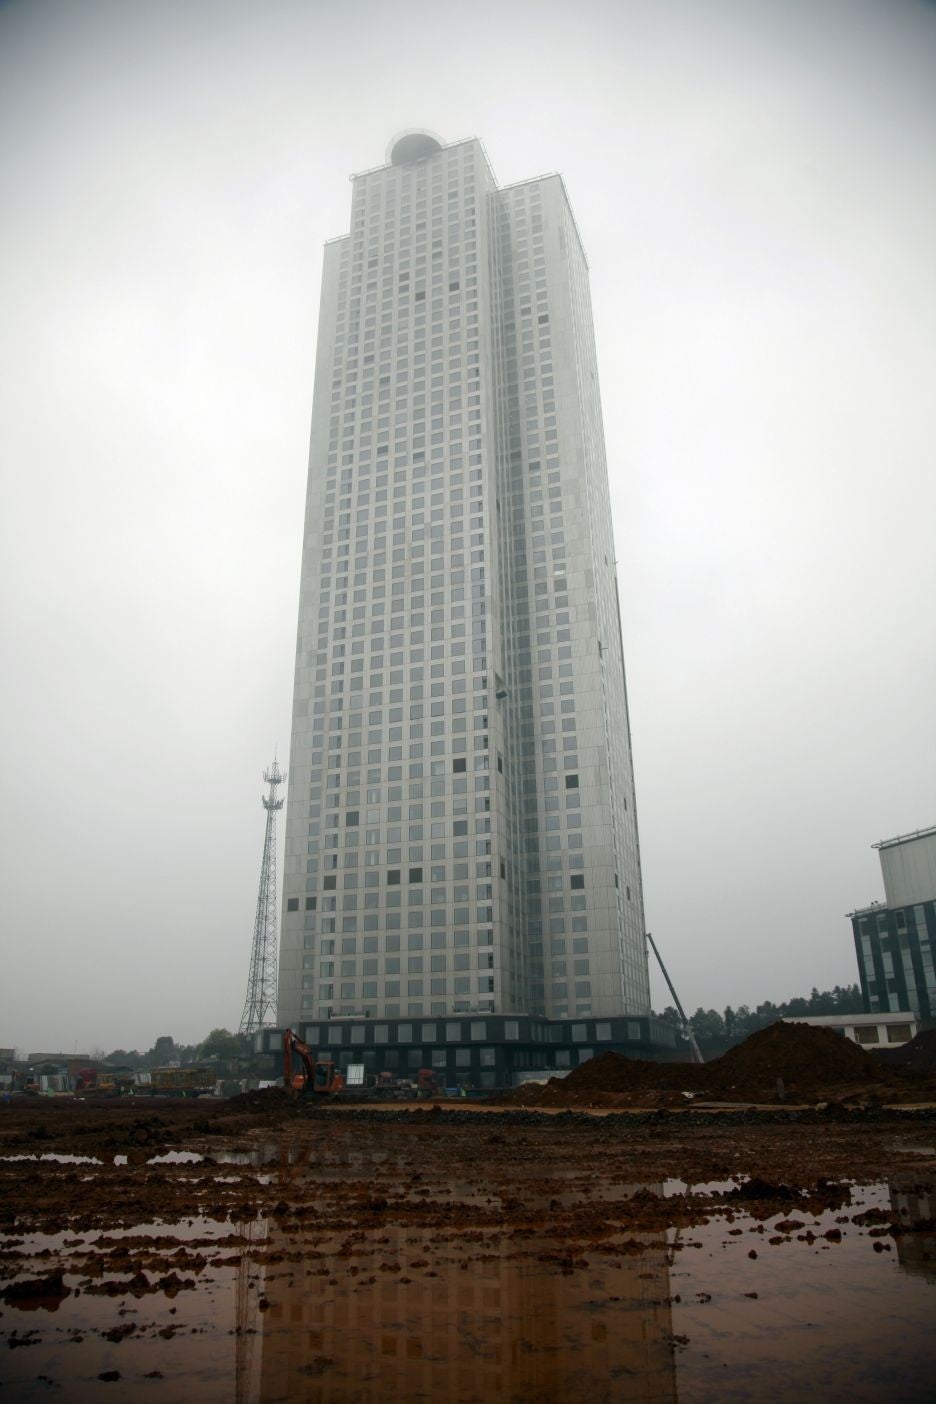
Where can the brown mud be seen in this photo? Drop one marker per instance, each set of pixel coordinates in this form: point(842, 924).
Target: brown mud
point(364, 1254)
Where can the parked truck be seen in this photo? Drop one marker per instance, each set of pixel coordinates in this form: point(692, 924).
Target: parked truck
point(179, 1082)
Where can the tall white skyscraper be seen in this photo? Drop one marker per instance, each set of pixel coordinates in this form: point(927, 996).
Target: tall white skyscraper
point(461, 831)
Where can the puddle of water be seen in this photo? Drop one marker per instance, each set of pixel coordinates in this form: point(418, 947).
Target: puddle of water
point(288, 1308)
point(59, 1157)
point(821, 1320)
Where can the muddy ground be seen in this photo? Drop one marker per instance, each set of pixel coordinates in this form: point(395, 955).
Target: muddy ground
point(407, 1164)
point(351, 1199)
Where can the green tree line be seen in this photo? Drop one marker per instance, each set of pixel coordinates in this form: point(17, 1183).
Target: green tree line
point(220, 1044)
point(732, 1025)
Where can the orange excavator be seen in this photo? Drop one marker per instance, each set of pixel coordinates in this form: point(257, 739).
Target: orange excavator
point(314, 1075)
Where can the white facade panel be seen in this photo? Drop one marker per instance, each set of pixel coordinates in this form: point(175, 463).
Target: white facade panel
point(908, 866)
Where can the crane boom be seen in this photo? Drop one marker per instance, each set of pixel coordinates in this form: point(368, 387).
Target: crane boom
point(687, 1027)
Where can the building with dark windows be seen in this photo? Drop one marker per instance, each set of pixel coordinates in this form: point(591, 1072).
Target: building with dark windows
point(461, 832)
point(895, 940)
point(496, 1051)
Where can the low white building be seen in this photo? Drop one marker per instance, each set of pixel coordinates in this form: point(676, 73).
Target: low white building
point(870, 1030)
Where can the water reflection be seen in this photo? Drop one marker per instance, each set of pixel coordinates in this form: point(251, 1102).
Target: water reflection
point(365, 1275)
point(431, 1320)
point(913, 1204)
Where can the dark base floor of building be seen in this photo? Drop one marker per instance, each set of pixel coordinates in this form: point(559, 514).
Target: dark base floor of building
point(479, 1051)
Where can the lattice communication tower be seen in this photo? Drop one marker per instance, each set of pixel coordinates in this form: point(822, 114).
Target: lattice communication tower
point(260, 1004)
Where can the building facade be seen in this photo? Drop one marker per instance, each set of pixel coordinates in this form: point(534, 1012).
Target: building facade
point(895, 940)
point(461, 831)
point(477, 1052)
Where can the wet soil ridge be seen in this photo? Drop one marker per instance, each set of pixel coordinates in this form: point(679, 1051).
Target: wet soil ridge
point(785, 1062)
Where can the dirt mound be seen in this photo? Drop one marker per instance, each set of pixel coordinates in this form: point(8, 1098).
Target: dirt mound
point(268, 1100)
point(612, 1072)
point(919, 1055)
point(810, 1061)
point(801, 1054)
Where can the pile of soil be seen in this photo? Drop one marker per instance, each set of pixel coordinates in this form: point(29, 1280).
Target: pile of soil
point(919, 1055)
point(801, 1054)
point(267, 1101)
point(813, 1063)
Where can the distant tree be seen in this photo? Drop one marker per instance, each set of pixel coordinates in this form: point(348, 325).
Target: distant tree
point(742, 1022)
point(848, 999)
point(707, 1024)
point(220, 1043)
point(163, 1051)
point(729, 1018)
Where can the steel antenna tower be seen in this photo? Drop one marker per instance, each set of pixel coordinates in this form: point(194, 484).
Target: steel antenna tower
point(260, 1004)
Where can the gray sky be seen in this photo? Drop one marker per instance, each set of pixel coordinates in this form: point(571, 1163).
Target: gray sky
point(754, 182)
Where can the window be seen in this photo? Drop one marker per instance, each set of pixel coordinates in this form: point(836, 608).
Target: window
point(292, 904)
point(478, 1030)
point(577, 880)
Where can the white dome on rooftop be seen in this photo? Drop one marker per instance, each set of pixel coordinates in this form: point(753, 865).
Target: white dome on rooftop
point(415, 144)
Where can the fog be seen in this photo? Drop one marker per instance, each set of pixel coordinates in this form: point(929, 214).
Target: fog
point(754, 186)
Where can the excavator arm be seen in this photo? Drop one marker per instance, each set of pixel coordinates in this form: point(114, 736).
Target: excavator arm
point(296, 1051)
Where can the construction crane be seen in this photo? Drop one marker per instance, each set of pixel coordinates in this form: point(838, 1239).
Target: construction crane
point(686, 1026)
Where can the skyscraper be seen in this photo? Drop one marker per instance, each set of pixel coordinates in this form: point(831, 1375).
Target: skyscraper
point(461, 830)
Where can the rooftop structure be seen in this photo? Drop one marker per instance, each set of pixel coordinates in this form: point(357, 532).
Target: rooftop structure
point(895, 940)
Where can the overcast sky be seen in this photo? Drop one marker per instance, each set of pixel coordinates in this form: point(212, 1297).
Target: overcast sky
point(754, 183)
